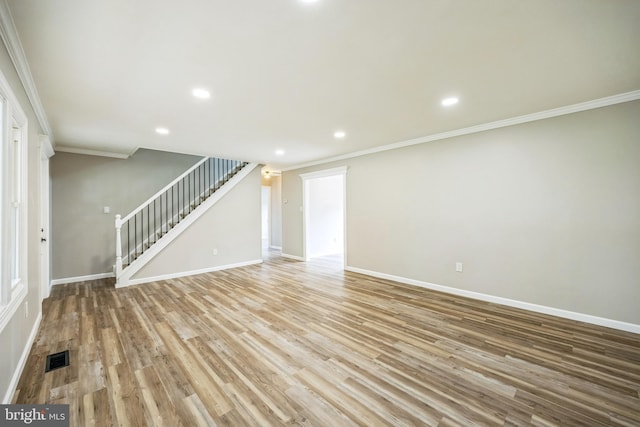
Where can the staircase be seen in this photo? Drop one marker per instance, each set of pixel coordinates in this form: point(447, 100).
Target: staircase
point(154, 224)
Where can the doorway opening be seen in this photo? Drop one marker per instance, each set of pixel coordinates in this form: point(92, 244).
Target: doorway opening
point(324, 195)
point(266, 217)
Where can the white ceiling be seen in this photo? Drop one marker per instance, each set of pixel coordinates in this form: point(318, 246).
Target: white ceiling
point(285, 74)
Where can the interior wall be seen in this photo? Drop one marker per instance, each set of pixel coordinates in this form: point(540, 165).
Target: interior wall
point(227, 234)
point(14, 338)
point(325, 204)
point(276, 212)
point(275, 182)
point(266, 216)
point(546, 212)
point(82, 235)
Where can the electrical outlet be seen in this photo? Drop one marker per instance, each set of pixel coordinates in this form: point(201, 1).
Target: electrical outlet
point(215, 251)
point(459, 267)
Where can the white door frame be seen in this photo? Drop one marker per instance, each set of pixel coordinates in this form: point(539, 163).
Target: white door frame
point(46, 151)
point(306, 177)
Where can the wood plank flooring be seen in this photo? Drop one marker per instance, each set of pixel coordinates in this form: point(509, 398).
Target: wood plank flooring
point(292, 343)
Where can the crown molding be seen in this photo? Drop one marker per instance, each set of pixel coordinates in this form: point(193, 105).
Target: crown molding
point(45, 146)
point(341, 170)
point(547, 114)
point(89, 152)
point(12, 42)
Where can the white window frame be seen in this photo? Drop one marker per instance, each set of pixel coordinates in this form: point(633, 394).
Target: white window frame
point(15, 204)
point(13, 195)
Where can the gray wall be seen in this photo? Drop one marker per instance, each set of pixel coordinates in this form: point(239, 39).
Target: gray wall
point(13, 338)
point(546, 212)
point(83, 237)
point(232, 227)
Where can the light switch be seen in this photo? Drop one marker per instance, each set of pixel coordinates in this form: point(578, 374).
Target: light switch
point(106, 209)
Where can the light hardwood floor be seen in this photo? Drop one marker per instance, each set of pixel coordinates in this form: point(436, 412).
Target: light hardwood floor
point(292, 343)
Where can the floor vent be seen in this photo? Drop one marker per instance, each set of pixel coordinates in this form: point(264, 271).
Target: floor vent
point(57, 360)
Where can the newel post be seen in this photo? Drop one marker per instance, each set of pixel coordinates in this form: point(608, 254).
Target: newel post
point(118, 247)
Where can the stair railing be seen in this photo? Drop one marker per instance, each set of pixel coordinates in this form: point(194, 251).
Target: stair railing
point(149, 222)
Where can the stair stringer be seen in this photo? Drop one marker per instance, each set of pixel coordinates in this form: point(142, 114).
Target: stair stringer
point(128, 272)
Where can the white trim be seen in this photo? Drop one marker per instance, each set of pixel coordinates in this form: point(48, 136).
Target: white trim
point(547, 114)
point(76, 279)
point(124, 279)
point(45, 146)
point(90, 152)
point(580, 317)
point(12, 42)
point(46, 152)
point(13, 296)
point(341, 170)
point(7, 312)
point(11, 97)
point(8, 396)
point(277, 248)
point(142, 280)
point(294, 257)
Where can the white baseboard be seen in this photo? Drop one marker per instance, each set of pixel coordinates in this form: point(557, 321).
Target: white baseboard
point(277, 248)
point(81, 278)
point(142, 280)
point(587, 318)
point(22, 362)
point(295, 257)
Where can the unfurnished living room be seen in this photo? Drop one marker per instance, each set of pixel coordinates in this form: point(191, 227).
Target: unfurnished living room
point(320, 213)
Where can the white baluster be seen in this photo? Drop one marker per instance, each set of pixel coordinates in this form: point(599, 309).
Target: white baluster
point(118, 247)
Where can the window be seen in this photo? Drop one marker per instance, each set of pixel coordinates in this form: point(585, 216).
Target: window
point(13, 209)
point(15, 206)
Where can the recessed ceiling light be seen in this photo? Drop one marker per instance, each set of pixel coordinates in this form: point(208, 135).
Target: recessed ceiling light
point(162, 131)
point(201, 93)
point(309, 1)
point(447, 102)
point(279, 152)
point(340, 134)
